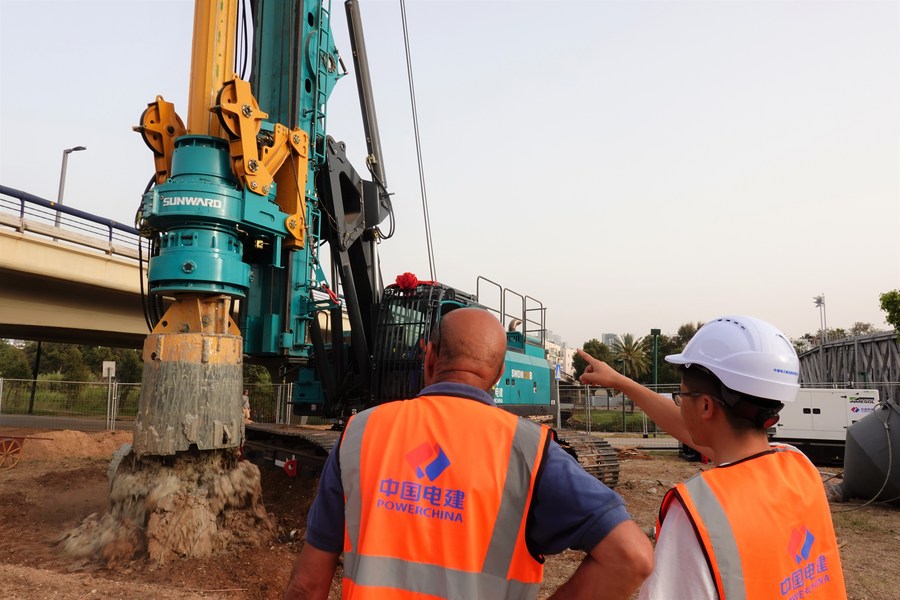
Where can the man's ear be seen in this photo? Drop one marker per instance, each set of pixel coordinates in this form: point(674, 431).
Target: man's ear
point(430, 358)
point(710, 408)
point(500, 374)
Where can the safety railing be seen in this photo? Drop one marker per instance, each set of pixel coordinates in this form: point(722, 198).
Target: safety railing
point(27, 213)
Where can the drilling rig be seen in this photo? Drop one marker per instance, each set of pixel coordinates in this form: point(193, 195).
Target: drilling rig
point(250, 204)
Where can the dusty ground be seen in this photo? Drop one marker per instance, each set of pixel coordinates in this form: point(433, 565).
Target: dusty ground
point(61, 480)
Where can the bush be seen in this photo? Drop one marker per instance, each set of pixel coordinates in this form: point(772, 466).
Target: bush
point(609, 420)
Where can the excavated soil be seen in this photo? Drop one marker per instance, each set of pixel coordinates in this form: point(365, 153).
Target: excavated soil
point(193, 505)
point(62, 480)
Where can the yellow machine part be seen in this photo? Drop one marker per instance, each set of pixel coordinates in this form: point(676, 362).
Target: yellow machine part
point(193, 372)
point(191, 314)
point(160, 127)
point(212, 62)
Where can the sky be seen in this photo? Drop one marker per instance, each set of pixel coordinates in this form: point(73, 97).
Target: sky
point(630, 165)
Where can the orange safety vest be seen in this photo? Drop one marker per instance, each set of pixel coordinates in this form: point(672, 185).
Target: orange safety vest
point(765, 528)
point(436, 493)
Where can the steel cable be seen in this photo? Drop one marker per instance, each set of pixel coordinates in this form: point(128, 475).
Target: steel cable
point(415, 117)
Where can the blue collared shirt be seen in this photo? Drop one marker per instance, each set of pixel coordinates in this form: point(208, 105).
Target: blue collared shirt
point(571, 508)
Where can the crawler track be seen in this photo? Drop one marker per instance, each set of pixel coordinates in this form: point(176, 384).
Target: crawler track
point(594, 454)
point(309, 447)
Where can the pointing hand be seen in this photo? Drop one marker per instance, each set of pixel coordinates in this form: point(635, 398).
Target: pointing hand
point(597, 372)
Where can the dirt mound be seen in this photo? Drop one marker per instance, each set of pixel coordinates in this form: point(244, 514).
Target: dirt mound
point(50, 445)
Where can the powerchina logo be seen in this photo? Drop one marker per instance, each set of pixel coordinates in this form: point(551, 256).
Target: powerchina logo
point(428, 461)
point(812, 570)
point(421, 500)
point(192, 201)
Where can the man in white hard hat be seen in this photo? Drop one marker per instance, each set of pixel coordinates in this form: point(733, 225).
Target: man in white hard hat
point(758, 526)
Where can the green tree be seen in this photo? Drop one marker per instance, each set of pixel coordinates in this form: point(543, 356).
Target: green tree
point(129, 366)
point(667, 373)
point(890, 303)
point(50, 362)
point(72, 364)
point(860, 328)
point(838, 333)
point(685, 333)
point(595, 348)
point(13, 362)
point(630, 356)
point(804, 343)
point(85, 363)
point(256, 375)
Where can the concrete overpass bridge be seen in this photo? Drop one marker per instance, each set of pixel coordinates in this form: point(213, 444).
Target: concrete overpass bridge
point(68, 276)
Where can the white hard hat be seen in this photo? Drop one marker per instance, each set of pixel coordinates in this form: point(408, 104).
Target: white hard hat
point(748, 355)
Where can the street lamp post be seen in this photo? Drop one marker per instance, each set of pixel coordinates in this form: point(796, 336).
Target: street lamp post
point(62, 176)
point(655, 334)
point(621, 364)
point(823, 336)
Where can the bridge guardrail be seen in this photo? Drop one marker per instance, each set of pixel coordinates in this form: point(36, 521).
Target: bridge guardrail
point(26, 212)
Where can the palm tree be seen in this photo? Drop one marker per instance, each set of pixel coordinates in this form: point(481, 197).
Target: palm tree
point(630, 356)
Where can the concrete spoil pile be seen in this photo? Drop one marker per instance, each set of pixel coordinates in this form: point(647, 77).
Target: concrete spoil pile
point(192, 504)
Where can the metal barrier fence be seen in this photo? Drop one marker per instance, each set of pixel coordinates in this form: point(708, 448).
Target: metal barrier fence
point(85, 406)
point(613, 416)
point(98, 406)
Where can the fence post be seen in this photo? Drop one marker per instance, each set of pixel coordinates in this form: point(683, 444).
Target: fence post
point(279, 399)
point(1, 395)
point(109, 410)
point(587, 409)
point(115, 404)
point(554, 396)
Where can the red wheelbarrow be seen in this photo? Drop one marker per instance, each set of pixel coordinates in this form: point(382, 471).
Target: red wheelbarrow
point(11, 447)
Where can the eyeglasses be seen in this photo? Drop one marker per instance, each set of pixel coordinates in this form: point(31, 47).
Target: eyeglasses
point(676, 396)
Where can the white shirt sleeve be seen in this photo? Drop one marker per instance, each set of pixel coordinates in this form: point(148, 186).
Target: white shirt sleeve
point(681, 570)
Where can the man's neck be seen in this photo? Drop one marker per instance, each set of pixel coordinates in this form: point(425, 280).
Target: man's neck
point(463, 377)
point(733, 447)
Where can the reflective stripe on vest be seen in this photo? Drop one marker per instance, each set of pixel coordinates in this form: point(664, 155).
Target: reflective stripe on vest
point(767, 568)
point(367, 571)
point(420, 578)
point(721, 536)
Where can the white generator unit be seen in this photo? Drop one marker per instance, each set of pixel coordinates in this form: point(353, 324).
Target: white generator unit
point(817, 421)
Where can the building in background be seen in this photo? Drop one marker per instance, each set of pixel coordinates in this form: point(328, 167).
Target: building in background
point(559, 353)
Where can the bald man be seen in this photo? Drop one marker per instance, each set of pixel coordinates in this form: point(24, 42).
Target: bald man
point(447, 496)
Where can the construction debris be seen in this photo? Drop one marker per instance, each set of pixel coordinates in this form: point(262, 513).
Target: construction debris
point(193, 504)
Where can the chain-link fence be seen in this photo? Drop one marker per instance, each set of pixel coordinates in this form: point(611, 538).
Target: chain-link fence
point(85, 406)
point(612, 414)
point(270, 402)
point(97, 406)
